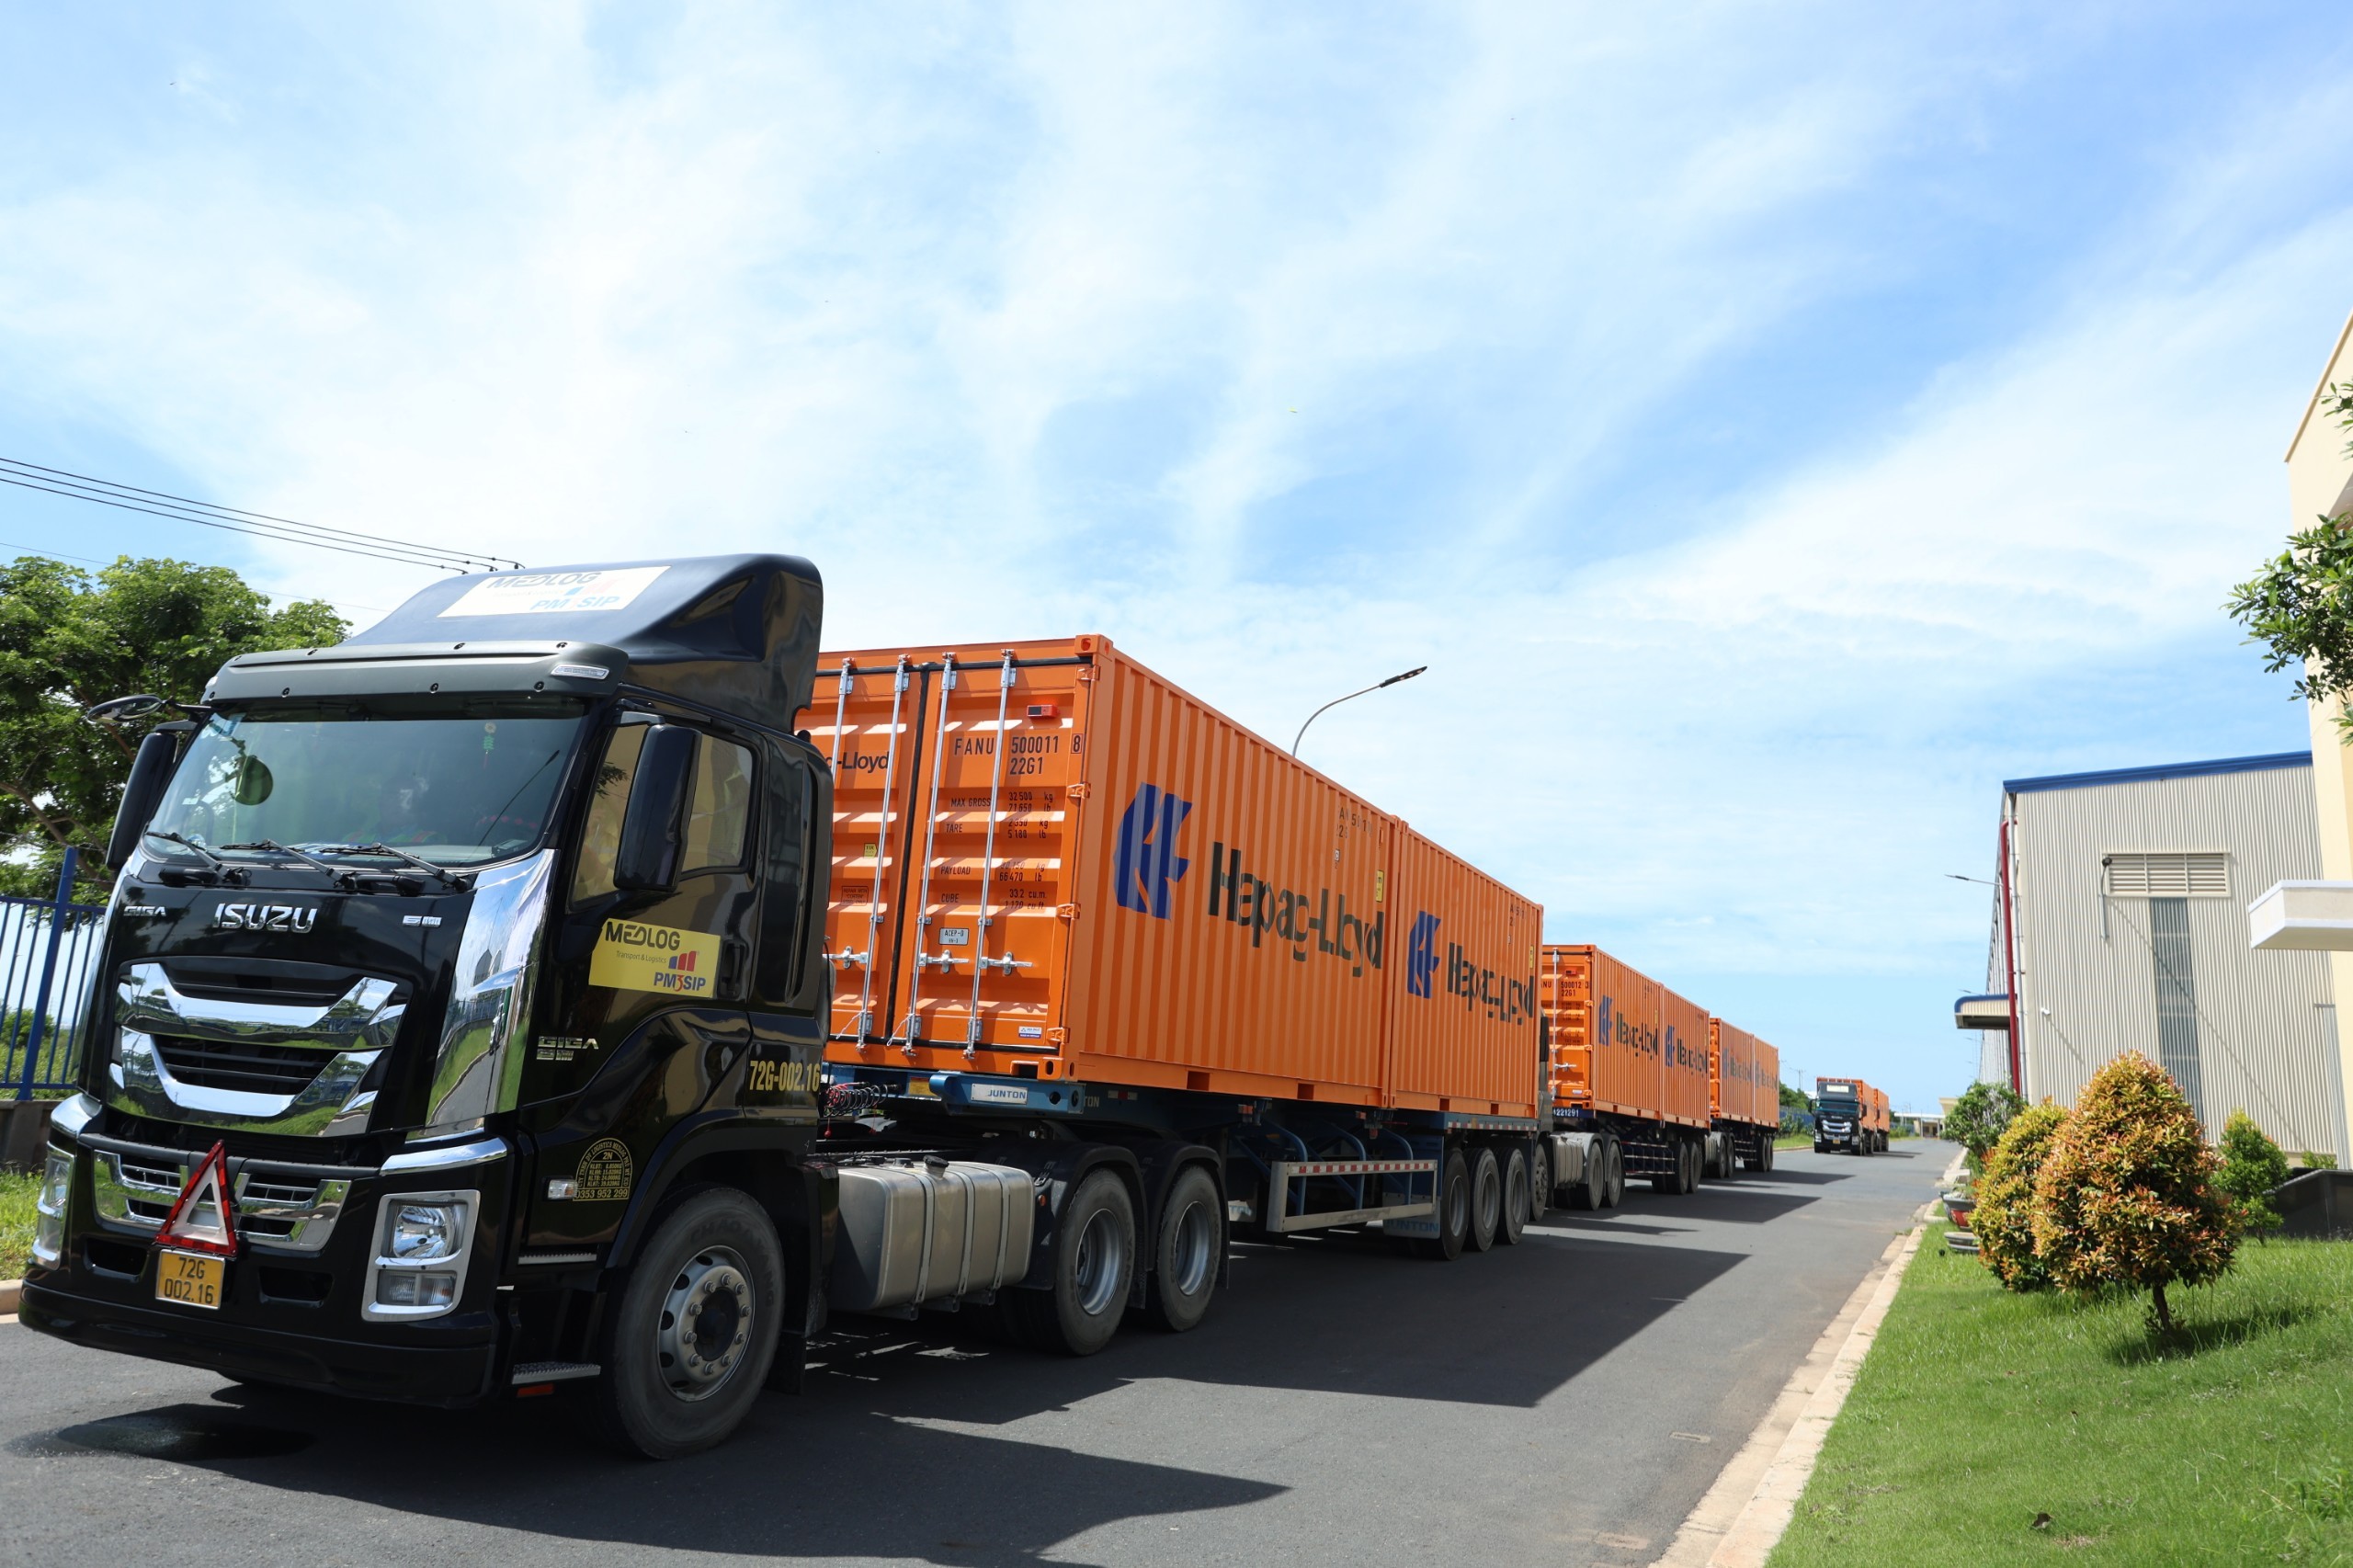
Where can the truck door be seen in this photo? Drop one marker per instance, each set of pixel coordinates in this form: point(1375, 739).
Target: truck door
point(642, 1006)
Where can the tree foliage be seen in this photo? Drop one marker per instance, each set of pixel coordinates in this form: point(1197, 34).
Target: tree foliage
point(2299, 605)
point(2252, 1166)
point(1979, 1118)
point(2126, 1196)
point(1796, 1099)
point(69, 638)
point(2003, 1221)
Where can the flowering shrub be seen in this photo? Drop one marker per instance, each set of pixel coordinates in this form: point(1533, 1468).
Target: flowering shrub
point(1979, 1118)
point(2126, 1196)
point(2004, 1220)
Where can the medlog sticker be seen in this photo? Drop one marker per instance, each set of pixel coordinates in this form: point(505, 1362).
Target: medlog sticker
point(606, 1172)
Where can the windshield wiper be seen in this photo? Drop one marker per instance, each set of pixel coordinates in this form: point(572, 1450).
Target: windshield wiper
point(213, 863)
point(455, 879)
point(271, 846)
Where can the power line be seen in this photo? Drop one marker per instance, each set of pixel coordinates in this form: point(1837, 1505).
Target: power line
point(180, 508)
point(93, 561)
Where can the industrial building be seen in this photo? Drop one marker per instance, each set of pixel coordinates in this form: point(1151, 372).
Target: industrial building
point(2120, 923)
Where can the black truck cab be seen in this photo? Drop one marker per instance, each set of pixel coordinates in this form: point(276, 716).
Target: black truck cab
point(486, 950)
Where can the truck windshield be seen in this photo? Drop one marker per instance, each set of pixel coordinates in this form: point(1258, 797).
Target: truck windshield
point(1839, 1108)
point(456, 781)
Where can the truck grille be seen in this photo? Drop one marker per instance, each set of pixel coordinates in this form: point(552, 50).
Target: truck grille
point(240, 1064)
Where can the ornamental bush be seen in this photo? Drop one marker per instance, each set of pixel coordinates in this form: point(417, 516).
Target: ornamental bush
point(2004, 1218)
point(2252, 1166)
point(2126, 1196)
point(1977, 1120)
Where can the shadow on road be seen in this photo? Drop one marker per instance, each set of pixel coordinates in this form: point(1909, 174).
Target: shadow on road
point(857, 1468)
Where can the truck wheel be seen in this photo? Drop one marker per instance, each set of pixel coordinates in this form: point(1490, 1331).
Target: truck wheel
point(688, 1345)
point(1695, 1160)
point(1515, 1206)
point(1095, 1260)
point(1184, 1272)
point(1486, 1199)
point(1614, 1191)
point(1539, 1181)
point(1592, 1187)
point(1771, 1153)
point(1453, 1211)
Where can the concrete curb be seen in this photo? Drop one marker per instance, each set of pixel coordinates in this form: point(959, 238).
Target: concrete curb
point(1746, 1513)
point(10, 1291)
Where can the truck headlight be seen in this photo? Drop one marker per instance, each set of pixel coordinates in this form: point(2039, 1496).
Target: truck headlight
point(48, 1208)
point(419, 1268)
point(425, 1233)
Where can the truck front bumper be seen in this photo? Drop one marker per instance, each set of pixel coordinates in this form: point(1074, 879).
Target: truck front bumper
point(453, 1375)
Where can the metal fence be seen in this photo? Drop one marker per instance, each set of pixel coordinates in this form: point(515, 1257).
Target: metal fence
point(49, 958)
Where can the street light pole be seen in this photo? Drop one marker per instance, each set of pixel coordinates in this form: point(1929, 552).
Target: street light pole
point(1376, 686)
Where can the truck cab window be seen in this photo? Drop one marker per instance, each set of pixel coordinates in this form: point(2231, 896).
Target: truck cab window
point(719, 813)
point(778, 978)
point(600, 835)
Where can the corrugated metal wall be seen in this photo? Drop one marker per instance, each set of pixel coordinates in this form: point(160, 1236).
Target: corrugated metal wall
point(2173, 978)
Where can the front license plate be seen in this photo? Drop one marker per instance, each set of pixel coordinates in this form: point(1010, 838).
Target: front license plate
point(190, 1280)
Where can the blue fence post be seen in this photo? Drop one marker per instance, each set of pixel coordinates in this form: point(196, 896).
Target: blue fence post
point(59, 913)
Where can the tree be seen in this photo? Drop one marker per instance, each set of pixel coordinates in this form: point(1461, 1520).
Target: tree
point(2003, 1221)
point(2252, 1166)
point(2127, 1195)
point(1796, 1099)
point(69, 638)
point(1977, 1120)
point(2301, 605)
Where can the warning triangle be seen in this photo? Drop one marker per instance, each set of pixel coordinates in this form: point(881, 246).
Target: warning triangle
point(200, 1218)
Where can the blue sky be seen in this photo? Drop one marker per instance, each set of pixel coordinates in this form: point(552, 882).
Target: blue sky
point(1772, 426)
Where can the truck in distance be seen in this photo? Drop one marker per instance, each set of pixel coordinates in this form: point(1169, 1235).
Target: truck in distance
point(1849, 1114)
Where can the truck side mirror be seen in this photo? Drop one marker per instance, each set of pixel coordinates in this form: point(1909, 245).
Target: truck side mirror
point(151, 770)
point(647, 858)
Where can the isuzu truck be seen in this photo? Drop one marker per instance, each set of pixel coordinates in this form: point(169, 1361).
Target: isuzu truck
point(576, 986)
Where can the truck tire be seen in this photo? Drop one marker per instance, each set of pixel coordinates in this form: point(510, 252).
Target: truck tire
point(1695, 1160)
point(1539, 1181)
point(688, 1345)
point(1771, 1153)
point(1614, 1176)
point(1517, 1192)
point(1453, 1211)
point(1185, 1263)
point(1095, 1261)
point(1486, 1199)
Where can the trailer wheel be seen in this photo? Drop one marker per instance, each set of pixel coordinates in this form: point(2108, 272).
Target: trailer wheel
point(1539, 1181)
point(1614, 1180)
point(1771, 1152)
point(1184, 1272)
point(1486, 1199)
point(1515, 1205)
point(1095, 1260)
point(688, 1345)
point(1453, 1211)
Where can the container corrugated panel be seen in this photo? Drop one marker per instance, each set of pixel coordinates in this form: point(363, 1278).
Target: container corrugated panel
point(1463, 995)
point(1083, 871)
point(1769, 1085)
point(1606, 1041)
point(1742, 1086)
point(1683, 1059)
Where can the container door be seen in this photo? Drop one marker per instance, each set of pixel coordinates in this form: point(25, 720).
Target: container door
point(869, 742)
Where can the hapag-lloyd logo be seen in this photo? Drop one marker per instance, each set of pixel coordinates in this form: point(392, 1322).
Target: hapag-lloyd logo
point(1613, 1027)
point(1421, 954)
point(1147, 867)
point(1509, 1001)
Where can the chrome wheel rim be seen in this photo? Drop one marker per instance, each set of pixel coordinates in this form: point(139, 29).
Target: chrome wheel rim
point(704, 1332)
point(1191, 1250)
point(1102, 1259)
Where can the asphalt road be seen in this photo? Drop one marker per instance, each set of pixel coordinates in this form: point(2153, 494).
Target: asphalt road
point(1565, 1401)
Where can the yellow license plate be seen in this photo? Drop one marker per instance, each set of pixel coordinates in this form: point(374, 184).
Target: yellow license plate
point(190, 1280)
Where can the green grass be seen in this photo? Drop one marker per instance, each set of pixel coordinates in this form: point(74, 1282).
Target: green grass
point(15, 1221)
point(1978, 1411)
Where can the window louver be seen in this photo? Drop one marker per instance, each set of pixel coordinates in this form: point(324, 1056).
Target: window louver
point(2195, 873)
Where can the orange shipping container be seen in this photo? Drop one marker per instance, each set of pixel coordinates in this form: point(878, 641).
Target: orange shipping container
point(1623, 1044)
point(1748, 1076)
point(1052, 862)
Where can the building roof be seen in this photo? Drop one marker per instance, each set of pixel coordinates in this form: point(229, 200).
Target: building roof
point(2162, 770)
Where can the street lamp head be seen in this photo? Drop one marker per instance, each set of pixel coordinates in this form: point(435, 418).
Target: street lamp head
point(1409, 675)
